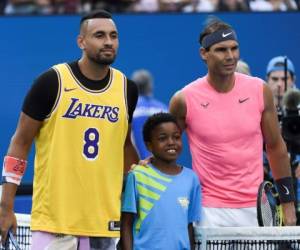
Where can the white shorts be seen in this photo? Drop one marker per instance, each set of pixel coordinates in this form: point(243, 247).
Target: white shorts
point(50, 241)
point(228, 217)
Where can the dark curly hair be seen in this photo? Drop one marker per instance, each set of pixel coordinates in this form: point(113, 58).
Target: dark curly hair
point(153, 121)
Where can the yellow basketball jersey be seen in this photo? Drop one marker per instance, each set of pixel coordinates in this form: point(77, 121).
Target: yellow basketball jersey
point(79, 159)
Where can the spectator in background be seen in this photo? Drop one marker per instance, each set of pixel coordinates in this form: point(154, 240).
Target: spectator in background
point(201, 6)
point(147, 105)
point(217, 5)
point(291, 133)
point(66, 6)
point(173, 5)
point(233, 5)
point(226, 116)
point(146, 6)
point(276, 78)
point(243, 67)
point(2, 6)
point(109, 5)
point(273, 5)
point(287, 100)
point(160, 5)
point(41, 7)
point(21, 7)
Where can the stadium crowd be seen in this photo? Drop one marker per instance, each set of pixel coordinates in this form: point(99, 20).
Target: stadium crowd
point(48, 7)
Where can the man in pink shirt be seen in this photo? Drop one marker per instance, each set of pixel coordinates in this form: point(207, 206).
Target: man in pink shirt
point(227, 117)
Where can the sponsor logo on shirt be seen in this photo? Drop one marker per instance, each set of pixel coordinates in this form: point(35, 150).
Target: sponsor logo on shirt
point(69, 89)
point(243, 100)
point(204, 105)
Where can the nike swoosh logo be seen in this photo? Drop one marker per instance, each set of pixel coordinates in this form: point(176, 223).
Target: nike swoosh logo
point(226, 34)
point(67, 90)
point(205, 105)
point(243, 100)
point(286, 189)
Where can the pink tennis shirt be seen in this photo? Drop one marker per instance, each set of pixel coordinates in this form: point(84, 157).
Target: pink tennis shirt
point(226, 141)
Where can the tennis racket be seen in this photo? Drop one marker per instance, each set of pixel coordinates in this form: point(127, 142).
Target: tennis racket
point(269, 210)
point(11, 239)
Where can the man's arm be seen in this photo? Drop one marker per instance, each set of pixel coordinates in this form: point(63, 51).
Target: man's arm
point(276, 150)
point(130, 155)
point(19, 147)
point(177, 108)
point(126, 231)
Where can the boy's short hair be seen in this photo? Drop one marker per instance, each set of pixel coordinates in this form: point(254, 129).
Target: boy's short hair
point(153, 121)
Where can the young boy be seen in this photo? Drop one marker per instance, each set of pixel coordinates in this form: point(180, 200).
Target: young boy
point(162, 200)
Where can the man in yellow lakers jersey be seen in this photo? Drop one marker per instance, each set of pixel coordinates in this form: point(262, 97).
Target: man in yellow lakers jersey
point(79, 114)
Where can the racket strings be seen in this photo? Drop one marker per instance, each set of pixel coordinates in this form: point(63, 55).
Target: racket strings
point(267, 210)
point(269, 207)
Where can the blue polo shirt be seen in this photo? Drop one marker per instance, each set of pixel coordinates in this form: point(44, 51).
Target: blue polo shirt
point(164, 205)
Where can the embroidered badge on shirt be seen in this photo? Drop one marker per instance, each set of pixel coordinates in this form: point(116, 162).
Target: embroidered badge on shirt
point(184, 202)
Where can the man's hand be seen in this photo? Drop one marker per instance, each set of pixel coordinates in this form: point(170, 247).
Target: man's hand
point(289, 214)
point(7, 221)
point(143, 162)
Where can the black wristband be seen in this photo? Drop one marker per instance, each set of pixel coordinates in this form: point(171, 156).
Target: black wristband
point(285, 189)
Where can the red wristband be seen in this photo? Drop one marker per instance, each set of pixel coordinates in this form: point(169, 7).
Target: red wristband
point(13, 169)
